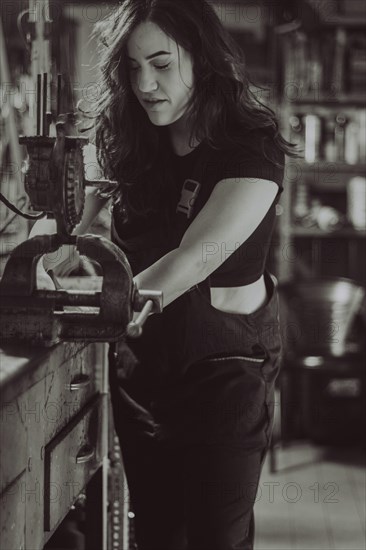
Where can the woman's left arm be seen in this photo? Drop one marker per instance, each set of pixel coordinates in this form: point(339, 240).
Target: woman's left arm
point(233, 211)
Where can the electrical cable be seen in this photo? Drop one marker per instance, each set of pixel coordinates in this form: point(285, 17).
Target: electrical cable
point(11, 218)
point(12, 207)
point(20, 28)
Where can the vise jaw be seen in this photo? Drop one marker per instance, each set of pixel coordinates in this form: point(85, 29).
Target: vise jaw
point(38, 317)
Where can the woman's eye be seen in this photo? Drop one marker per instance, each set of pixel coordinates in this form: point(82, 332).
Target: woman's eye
point(159, 67)
point(162, 67)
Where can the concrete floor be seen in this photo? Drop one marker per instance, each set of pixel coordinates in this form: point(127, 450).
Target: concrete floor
point(315, 500)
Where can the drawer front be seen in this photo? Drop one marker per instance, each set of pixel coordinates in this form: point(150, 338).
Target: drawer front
point(12, 515)
point(69, 387)
point(13, 442)
point(72, 458)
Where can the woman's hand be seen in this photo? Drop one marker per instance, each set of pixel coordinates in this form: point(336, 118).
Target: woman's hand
point(44, 281)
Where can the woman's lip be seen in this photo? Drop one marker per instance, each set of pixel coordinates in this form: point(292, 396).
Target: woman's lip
point(151, 105)
point(151, 102)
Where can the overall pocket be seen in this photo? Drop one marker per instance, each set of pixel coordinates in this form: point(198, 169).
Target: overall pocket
point(254, 336)
point(203, 291)
point(221, 400)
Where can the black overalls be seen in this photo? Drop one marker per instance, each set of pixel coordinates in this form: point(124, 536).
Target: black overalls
point(193, 403)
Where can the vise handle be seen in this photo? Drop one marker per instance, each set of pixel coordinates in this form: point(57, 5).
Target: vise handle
point(145, 302)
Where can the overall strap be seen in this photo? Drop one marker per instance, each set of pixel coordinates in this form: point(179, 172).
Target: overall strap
point(192, 192)
point(195, 195)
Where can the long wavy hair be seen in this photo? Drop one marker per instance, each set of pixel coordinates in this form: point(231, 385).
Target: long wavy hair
point(221, 107)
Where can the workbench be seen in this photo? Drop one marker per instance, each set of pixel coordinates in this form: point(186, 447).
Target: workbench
point(55, 439)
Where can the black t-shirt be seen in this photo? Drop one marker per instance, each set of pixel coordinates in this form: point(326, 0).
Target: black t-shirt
point(146, 238)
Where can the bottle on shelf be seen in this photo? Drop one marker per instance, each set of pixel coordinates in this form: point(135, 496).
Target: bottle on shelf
point(297, 135)
point(313, 135)
point(351, 143)
point(340, 135)
point(356, 202)
point(340, 42)
point(362, 135)
point(301, 202)
point(332, 137)
point(330, 150)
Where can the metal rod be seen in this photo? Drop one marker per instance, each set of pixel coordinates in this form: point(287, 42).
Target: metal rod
point(87, 298)
point(39, 95)
point(44, 109)
point(59, 84)
point(100, 183)
point(134, 328)
point(48, 122)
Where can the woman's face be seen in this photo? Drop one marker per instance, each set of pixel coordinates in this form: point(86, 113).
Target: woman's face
point(159, 70)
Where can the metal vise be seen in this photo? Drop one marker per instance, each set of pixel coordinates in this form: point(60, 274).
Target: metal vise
point(38, 317)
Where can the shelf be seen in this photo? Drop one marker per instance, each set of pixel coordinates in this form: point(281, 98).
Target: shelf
point(321, 74)
point(324, 100)
point(332, 167)
point(335, 13)
point(313, 232)
point(346, 21)
point(322, 175)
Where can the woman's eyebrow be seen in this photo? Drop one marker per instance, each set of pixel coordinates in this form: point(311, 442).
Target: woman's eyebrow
point(161, 52)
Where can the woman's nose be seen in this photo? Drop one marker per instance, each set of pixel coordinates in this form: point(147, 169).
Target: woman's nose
point(146, 82)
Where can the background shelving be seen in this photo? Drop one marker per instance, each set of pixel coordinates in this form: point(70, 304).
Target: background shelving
point(322, 90)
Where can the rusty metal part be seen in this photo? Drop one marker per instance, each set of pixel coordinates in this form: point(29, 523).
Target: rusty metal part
point(54, 180)
point(38, 316)
point(55, 183)
point(73, 190)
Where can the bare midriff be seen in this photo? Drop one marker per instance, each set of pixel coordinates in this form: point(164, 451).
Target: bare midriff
point(240, 299)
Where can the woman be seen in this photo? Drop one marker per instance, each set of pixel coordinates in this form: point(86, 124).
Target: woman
point(200, 166)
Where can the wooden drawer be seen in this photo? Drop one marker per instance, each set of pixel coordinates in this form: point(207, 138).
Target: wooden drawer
point(12, 515)
point(70, 387)
point(72, 458)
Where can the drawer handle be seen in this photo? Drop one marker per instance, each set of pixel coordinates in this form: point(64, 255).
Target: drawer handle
point(79, 382)
point(85, 454)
